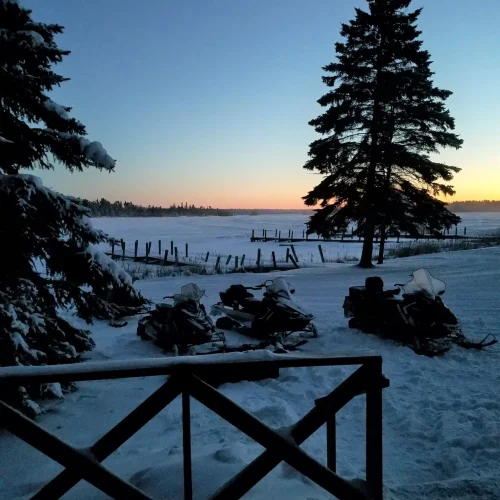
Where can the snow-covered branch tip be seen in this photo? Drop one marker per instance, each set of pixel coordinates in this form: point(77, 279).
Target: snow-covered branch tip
point(94, 151)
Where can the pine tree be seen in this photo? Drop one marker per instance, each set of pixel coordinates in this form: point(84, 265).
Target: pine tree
point(384, 118)
point(48, 261)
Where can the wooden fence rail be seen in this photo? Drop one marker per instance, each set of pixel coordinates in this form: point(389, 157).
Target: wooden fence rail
point(194, 376)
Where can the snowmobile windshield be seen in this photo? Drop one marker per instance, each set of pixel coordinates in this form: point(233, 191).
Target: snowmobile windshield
point(424, 282)
point(281, 288)
point(190, 291)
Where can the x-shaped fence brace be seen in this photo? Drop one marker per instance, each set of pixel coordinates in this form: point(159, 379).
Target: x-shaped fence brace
point(280, 446)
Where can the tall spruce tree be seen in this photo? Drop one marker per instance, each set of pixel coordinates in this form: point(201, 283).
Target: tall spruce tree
point(384, 118)
point(47, 259)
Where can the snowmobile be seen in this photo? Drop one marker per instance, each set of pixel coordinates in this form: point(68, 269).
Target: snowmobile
point(274, 317)
point(181, 326)
point(419, 319)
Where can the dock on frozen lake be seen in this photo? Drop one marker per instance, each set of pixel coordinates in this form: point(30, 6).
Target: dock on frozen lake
point(347, 237)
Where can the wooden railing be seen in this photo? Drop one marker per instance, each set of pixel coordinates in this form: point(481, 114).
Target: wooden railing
point(195, 376)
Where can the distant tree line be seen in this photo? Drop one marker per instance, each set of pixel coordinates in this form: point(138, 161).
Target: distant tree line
point(475, 206)
point(105, 208)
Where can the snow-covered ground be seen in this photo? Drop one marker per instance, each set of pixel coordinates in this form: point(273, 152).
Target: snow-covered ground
point(231, 235)
point(441, 415)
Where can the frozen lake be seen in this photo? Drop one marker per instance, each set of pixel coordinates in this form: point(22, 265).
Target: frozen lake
point(231, 235)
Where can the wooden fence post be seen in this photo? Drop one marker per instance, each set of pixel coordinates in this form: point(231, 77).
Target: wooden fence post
point(456, 231)
point(176, 255)
point(287, 253)
point(276, 233)
point(187, 251)
point(465, 231)
point(171, 248)
point(253, 235)
point(294, 262)
point(236, 262)
point(228, 260)
point(159, 247)
point(217, 263)
point(265, 234)
point(307, 236)
point(274, 259)
point(291, 239)
point(294, 253)
point(136, 247)
point(242, 260)
point(123, 250)
point(289, 233)
point(186, 445)
point(279, 236)
point(206, 257)
point(321, 254)
point(148, 247)
point(258, 257)
point(374, 469)
point(165, 257)
point(331, 443)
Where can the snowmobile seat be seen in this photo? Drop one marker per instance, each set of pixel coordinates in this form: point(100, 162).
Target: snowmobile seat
point(234, 295)
point(251, 305)
point(357, 292)
point(164, 307)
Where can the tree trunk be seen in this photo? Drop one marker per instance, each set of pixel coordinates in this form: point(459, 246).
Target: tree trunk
point(382, 245)
point(368, 234)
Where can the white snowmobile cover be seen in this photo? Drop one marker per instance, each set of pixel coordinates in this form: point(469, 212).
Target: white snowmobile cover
point(424, 282)
point(280, 288)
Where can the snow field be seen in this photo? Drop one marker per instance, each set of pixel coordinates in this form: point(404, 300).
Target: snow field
point(441, 415)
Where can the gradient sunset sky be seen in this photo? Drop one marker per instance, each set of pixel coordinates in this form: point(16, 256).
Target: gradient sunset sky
point(208, 101)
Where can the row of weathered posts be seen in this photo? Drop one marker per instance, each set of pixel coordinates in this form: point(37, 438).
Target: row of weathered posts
point(239, 262)
point(267, 235)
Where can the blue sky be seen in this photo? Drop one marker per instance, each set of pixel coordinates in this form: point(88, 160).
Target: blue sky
point(207, 101)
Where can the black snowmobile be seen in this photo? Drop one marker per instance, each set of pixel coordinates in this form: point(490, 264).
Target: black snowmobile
point(419, 319)
point(181, 326)
point(273, 317)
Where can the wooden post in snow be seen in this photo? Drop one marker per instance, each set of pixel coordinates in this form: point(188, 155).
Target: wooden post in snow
point(294, 253)
point(321, 254)
point(274, 259)
point(187, 250)
point(258, 257)
point(287, 254)
point(228, 260)
point(206, 256)
point(165, 257)
point(159, 247)
point(242, 260)
point(217, 263)
point(136, 247)
point(236, 262)
point(176, 255)
point(294, 262)
point(123, 249)
point(148, 247)
point(253, 235)
point(172, 248)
